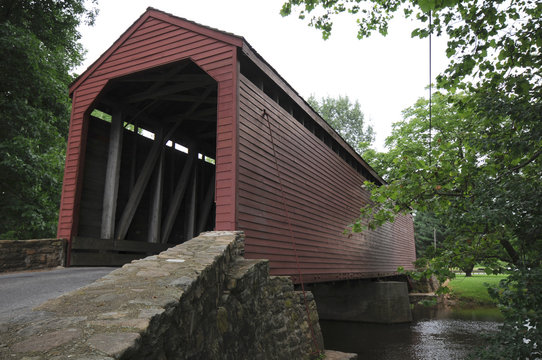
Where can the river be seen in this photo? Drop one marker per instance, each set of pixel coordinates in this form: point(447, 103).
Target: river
point(435, 333)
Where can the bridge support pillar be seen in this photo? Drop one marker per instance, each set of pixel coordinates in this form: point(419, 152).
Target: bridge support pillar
point(363, 301)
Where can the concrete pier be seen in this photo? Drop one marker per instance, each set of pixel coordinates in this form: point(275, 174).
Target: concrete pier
point(363, 301)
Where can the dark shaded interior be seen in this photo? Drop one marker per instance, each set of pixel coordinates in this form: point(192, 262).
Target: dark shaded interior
point(176, 106)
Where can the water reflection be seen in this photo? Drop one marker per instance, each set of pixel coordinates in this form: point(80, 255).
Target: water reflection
point(435, 334)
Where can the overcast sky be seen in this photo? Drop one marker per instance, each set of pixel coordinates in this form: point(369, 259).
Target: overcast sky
point(385, 74)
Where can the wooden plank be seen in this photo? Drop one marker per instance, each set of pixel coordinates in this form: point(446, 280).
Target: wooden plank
point(191, 203)
point(177, 97)
point(104, 259)
point(323, 195)
point(156, 206)
point(86, 243)
point(177, 198)
point(143, 180)
point(134, 114)
point(133, 163)
point(172, 171)
point(112, 176)
point(294, 96)
point(207, 204)
point(144, 59)
point(169, 90)
point(146, 172)
point(219, 35)
point(126, 35)
point(163, 77)
point(251, 99)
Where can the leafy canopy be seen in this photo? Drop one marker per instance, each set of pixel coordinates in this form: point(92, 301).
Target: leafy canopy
point(491, 42)
point(39, 46)
point(347, 119)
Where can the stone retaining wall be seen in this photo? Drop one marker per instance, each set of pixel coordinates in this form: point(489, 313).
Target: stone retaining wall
point(18, 255)
point(198, 300)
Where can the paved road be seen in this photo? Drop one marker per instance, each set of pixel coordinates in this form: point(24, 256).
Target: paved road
point(20, 292)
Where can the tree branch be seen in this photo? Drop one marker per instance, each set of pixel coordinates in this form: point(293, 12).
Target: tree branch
point(526, 162)
point(510, 250)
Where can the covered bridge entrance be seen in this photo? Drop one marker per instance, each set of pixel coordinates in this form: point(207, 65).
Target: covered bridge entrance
point(179, 128)
point(151, 141)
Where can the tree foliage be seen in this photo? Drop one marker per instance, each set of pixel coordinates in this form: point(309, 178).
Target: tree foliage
point(454, 183)
point(39, 46)
point(429, 233)
point(347, 119)
point(489, 201)
point(494, 47)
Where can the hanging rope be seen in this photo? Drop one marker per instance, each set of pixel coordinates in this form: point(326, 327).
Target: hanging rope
point(430, 104)
point(265, 116)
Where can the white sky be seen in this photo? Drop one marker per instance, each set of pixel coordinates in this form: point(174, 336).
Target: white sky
point(385, 74)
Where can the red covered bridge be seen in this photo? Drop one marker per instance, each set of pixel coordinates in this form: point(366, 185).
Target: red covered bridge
point(179, 128)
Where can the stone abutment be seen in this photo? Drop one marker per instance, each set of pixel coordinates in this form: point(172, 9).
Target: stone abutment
point(197, 300)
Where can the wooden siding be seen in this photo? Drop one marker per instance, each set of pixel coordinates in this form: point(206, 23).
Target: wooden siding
point(323, 194)
point(153, 40)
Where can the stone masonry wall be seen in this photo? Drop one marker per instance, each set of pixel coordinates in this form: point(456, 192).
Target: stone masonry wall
point(198, 300)
point(18, 255)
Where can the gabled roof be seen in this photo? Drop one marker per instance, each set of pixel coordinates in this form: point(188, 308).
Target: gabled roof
point(247, 50)
point(223, 36)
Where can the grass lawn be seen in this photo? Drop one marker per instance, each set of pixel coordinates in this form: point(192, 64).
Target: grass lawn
point(472, 289)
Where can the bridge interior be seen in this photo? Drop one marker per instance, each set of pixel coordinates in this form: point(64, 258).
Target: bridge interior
point(149, 170)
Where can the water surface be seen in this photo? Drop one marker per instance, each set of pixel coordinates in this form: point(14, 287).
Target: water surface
point(435, 333)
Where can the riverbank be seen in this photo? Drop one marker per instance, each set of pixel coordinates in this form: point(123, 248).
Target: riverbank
point(472, 290)
point(450, 329)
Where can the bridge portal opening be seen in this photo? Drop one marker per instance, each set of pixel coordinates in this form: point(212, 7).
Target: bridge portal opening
point(149, 168)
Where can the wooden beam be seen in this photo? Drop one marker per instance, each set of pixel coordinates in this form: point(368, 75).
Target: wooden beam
point(112, 176)
point(181, 98)
point(207, 135)
point(172, 167)
point(192, 113)
point(156, 205)
point(133, 156)
point(146, 171)
point(128, 109)
point(89, 251)
point(168, 90)
point(191, 204)
point(207, 119)
point(142, 181)
point(207, 205)
point(85, 243)
point(166, 78)
point(176, 199)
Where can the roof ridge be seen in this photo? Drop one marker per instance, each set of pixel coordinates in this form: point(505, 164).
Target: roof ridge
point(147, 14)
point(150, 8)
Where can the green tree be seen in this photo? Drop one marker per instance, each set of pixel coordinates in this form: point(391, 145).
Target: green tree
point(429, 233)
point(490, 202)
point(39, 46)
point(446, 186)
point(347, 119)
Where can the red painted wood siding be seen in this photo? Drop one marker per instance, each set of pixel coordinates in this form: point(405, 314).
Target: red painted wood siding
point(323, 194)
point(156, 39)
